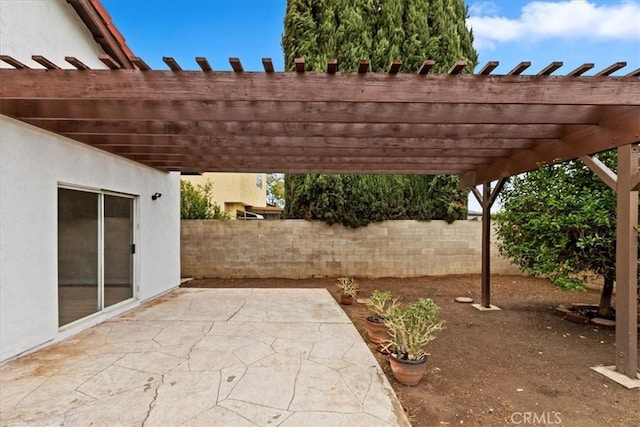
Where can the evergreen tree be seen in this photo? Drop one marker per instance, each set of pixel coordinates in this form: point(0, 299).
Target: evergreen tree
point(389, 37)
point(381, 31)
point(300, 38)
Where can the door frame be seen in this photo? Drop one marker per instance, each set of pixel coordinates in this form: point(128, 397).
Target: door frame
point(133, 273)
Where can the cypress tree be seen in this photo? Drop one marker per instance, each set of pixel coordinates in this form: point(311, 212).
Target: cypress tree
point(389, 36)
point(381, 31)
point(300, 37)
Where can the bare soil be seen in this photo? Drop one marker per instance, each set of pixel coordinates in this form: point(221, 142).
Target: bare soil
point(522, 365)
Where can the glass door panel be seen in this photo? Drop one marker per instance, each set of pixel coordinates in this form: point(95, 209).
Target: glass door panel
point(118, 249)
point(78, 255)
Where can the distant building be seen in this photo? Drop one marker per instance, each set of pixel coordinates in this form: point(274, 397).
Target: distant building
point(240, 195)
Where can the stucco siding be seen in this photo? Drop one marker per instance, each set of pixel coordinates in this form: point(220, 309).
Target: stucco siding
point(33, 163)
point(45, 27)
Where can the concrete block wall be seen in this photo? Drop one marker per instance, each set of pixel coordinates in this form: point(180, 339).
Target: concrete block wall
point(305, 249)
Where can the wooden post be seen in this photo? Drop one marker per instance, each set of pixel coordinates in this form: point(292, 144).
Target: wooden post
point(627, 263)
point(486, 246)
point(486, 200)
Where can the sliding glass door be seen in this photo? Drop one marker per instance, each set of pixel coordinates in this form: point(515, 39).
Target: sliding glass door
point(95, 252)
point(118, 249)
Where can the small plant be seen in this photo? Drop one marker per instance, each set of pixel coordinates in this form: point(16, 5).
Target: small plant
point(411, 328)
point(379, 304)
point(348, 286)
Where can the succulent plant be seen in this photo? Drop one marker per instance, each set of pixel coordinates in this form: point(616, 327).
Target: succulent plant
point(411, 328)
point(348, 286)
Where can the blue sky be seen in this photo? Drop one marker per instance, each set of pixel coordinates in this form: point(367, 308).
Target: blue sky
point(509, 31)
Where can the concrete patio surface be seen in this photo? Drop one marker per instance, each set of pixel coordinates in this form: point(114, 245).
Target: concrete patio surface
point(207, 357)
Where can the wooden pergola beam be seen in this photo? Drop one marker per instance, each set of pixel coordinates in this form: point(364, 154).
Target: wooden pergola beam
point(372, 131)
point(546, 71)
point(13, 62)
point(621, 130)
point(457, 68)
point(109, 62)
point(363, 66)
point(518, 69)
point(299, 65)
point(611, 69)
point(374, 87)
point(394, 67)
point(332, 65)
point(76, 63)
point(488, 68)
point(267, 64)
point(294, 142)
point(365, 168)
point(580, 70)
point(297, 111)
point(236, 65)
point(171, 63)
point(203, 63)
point(426, 66)
point(211, 151)
point(139, 62)
point(200, 159)
point(604, 173)
point(45, 62)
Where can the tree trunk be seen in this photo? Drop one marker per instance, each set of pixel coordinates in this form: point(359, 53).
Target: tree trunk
point(604, 309)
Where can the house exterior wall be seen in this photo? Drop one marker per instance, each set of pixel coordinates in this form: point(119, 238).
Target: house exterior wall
point(50, 28)
point(33, 162)
point(304, 249)
point(232, 190)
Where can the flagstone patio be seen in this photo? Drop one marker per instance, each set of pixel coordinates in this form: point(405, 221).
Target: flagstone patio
point(207, 357)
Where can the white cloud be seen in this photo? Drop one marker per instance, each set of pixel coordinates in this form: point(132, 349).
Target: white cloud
point(569, 19)
point(483, 8)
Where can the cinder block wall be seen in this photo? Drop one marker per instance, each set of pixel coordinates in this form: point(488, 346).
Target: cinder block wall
point(305, 249)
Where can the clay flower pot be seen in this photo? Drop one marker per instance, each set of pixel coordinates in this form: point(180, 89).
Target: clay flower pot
point(408, 372)
point(346, 299)
point(376, 330)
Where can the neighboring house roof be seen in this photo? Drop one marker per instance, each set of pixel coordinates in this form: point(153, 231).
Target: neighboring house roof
point(104, 32)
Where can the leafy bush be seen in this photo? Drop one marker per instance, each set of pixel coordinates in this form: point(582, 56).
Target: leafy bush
point(196, 202)
point(560, 222)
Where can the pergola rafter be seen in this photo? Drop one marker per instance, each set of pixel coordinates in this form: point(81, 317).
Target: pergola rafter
point(483, 127)
point(211, 117)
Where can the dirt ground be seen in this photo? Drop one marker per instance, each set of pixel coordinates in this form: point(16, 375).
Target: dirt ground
point(522, 365)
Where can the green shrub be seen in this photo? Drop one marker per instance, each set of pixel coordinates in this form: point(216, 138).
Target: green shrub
point(196, 202)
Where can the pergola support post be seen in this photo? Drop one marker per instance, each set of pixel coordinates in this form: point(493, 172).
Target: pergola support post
point(486, 200)
point(627, 263)
point(625, 184)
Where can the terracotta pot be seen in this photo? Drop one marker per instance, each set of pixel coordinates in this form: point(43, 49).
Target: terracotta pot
point(346, 299)
point(408, 372)
point(376, 330)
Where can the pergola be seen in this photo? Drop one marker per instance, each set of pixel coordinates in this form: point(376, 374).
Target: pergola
point(482, 127)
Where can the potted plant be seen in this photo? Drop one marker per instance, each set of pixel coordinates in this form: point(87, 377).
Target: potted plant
point(411, 328)
point(348, 290)
point(378, 305)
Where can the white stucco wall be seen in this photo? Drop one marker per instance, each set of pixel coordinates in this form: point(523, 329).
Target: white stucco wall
point(45, 27)
point(33, 162)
